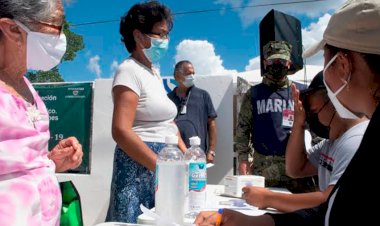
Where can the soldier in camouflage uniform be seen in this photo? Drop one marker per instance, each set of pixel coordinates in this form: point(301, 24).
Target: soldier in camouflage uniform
point(265, 120)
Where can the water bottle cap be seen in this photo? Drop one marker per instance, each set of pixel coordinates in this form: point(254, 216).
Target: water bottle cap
point(171, 140)
point(195, 140)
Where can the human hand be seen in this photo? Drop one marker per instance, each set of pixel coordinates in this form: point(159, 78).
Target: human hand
point(256, 196)
point(229, 218)
point(244, 168)
point(299, 111)
point(210, 158)
point(67, 154)
point(206, 218)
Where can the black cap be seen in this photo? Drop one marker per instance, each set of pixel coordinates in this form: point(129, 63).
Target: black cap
point(316, 84)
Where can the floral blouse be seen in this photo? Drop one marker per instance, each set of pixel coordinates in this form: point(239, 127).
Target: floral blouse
point(29, 190)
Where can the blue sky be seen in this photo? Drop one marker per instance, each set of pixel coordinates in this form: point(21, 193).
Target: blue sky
point(218, 42)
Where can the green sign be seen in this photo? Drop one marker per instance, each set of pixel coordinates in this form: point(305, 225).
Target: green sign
point(70, 113)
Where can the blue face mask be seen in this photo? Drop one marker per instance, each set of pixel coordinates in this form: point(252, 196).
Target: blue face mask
point(189, 81)
point(157, 49)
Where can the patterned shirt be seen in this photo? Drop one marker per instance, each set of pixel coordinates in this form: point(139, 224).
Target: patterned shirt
point(29, 190)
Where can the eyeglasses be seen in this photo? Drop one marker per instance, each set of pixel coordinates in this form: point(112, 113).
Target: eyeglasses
point(50, 25)
point(162, 35)
point(273, 61)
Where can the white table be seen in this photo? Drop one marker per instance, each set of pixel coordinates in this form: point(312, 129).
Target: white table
point(216, 200)
point(119, 224)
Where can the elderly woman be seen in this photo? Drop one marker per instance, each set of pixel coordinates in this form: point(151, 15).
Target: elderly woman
point(30, 38)
point(143, 114)
point(352, 77)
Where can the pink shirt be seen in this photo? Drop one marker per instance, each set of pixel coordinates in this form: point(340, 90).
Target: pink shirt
point(29, 190)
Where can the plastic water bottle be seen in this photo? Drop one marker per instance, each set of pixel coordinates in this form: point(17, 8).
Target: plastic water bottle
point(170, 189)
point(197, 178)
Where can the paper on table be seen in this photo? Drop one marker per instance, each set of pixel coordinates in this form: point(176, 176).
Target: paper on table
point(215, 203)
point(209, 165)
point(160, 220)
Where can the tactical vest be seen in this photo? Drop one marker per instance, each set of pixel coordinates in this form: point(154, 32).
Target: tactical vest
point(269, 135)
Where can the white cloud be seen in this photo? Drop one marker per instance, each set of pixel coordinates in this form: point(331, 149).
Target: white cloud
point(88, 53)
point(202, 54)
point(113, 67)
point(253, 64)
point(251, 14)
point(94, 67)
point(232, 3)
point(312, 35)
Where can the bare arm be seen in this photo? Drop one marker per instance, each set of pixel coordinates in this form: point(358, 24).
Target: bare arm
point(233, 218)
point(264, 198)
point(181, 144)
point(125, 105)
point(211, 138)
point(296, 161)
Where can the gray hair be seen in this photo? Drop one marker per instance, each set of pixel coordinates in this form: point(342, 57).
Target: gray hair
point(179, 66)
point(27, 11)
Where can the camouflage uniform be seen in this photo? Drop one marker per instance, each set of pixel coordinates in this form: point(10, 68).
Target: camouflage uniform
point(272, 167)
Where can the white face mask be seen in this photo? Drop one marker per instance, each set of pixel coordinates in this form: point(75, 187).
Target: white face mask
point(342, 111)
point(189, 81)
point(44, 51)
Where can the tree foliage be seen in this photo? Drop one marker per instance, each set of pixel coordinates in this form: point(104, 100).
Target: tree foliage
point(74, 44)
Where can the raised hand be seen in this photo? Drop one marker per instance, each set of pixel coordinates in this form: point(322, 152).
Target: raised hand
point(299, 111)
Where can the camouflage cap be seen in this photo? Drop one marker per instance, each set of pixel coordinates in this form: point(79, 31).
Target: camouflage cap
point(277, 50)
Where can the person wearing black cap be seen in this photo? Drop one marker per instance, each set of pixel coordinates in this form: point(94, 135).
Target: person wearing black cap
point(328, 159)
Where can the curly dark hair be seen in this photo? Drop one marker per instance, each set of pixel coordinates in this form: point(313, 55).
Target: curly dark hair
point(143, 16)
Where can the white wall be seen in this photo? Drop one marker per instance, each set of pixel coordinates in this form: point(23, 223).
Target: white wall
point(95, 187)
point(221, 91)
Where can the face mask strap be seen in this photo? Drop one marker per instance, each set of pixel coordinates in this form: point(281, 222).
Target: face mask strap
point(345, 82)
point(25, 28)
point(323, 106)
point(156, 40)
point(332, 117)
point(330, 62)
point(350, 74)
point(344, 85)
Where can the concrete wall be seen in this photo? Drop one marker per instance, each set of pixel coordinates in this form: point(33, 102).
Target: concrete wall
point(221, 91)
point(95, 187)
